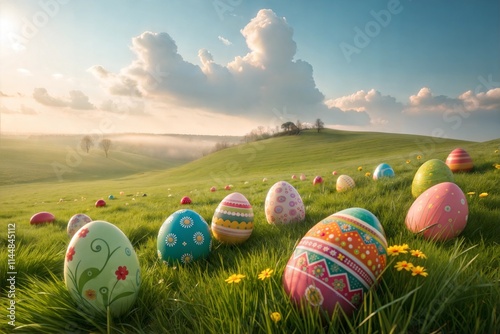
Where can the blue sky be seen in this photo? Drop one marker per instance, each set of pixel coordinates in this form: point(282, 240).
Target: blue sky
point(228, 66)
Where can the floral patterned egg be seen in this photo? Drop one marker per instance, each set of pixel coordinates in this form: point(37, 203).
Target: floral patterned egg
point(101, 269)
point(232, 222)
point(337, 261)
point(439, 213)
point(76, 222)
point(383, 170)
point(344, 182)
point(459, 161)
point(184, 237)
point(283, 204)
point(431, 172)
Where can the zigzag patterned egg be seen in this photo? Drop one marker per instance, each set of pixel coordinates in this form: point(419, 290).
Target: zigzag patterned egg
point(101, 269)
point(459, 161)
point(183, 238)
point(283, 204)
point(431, 172)
point(232, 222)
point(383, 170)
point(439, 213)
point(337, 261)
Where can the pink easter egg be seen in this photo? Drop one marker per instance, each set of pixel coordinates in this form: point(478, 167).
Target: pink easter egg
point(459, 161)
point(439, 213)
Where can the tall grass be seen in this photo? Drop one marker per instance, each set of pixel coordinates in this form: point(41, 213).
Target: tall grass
point(461, 294)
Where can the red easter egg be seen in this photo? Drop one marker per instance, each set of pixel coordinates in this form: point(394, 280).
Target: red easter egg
point(439, 213)
point(100, 203)
point(317, 180)
point(213, 189)
point(42, 217)
point(186, 200)
point(459, 161)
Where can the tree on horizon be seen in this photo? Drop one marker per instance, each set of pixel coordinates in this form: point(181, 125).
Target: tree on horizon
point(319, 125)
point(86, 143)
point(105, 144)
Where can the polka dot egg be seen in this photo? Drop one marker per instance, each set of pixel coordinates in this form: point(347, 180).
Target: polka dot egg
point(76, 222)
point(184, 237)
point(337, 261)
point(439, 213)
point(283, 204)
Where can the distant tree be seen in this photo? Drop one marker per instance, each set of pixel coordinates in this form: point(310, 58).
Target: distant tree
point(105, 144)
point(86, 143)
point(319, 125)
point(299, 125)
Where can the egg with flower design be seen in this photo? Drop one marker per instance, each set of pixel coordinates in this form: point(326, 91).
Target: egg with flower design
point(232, 222)
point(337, 261)
point(283, 204)
point(183, 238)
point(76, 222)
point(101, 269)
point(439, 213)
point(431, 172)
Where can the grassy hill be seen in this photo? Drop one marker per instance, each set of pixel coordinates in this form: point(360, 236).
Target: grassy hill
point(460, 294)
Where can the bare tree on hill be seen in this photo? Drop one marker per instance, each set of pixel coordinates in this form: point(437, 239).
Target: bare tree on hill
point(86, 143)
point(105, 144)
point(319, 125)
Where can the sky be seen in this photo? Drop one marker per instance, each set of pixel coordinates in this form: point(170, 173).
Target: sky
point(225, 67)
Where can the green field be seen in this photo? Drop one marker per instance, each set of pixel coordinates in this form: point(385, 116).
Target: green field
point(461, 294)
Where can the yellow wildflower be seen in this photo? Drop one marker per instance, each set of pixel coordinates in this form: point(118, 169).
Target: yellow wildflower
point(265, 274)
point(497, 166)
point(482, 195)
point(275, 316)
point(418, 270)
point(408, 161)
point(496, 151)
point(419, 157)
point(418, 253)
point(403, 265)
point(368, 174)
point(360, 168)
point(235, 278)
point(470, 193)
point(396, 250)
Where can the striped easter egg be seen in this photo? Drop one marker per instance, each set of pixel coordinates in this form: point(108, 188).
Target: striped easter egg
point(459, 161)
point(232, 222)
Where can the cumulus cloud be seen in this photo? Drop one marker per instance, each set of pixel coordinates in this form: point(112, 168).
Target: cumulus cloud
point(424, 100)
point(224, 41)
point(129, 106)
point(77, 99)
point(489, 100)
point(381, 109)
point(251, 85)
point(42, 96)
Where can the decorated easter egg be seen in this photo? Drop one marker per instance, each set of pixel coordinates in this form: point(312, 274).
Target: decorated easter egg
point(186, 200)
point(232, 222)
point(294, 177)
point(459, 161)
point(283, 204)
point(344, 182)
point(439, 213)
point(101, 269)
point(184, 237)
point(100, 203)
point(227, 187)
point(383, 170)
point(42, 217)
point(213, 189)
point(337, 261)
point(111, 197)
point(76, 222)
point(317, 180)
point(264, 179)
point(431, 172)
point(334, 172)
point(303, 177)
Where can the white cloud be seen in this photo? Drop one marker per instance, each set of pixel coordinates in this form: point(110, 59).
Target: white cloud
point(24, 71)
point(224, 41)
point(489, 100)
point(252, 85)
point(77, 100)
point(424, 100)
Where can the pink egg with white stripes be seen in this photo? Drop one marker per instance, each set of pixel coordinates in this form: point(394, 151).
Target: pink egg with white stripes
point(283, 204)
point(439, 213)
